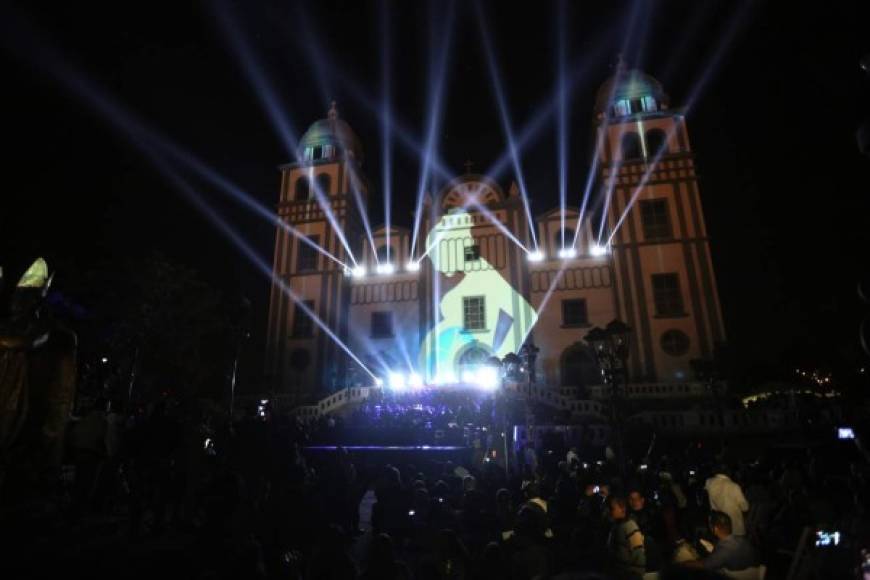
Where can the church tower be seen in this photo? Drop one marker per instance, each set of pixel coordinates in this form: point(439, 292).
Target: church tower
point(317, 210)
point(665, 285)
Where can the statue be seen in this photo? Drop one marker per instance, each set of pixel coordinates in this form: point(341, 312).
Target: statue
point(37, 382)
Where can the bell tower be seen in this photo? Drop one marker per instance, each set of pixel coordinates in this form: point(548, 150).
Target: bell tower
point(665, 284)
point(319, 222)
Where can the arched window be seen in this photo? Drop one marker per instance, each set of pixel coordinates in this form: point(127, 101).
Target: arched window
point(579, 368)
point(303, 189)
point(323, 184)
point(564, 238)
point(631, 148)
point(656, 142)
point(471, 360)
point(675, 342)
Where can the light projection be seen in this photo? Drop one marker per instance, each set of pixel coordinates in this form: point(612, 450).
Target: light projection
point(480, 314)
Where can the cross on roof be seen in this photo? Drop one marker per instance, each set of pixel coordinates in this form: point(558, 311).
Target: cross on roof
point(468, 165)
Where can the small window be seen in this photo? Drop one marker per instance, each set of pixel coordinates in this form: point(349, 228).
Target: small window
point(636, 106)
point(656, 142)
point(631, 148)
point(323, 184)
point(382, 324)
point(574, 312)
point(303, 324)
point(318, 152)
point(655, 219)
point(675, 342)
point(649, 104)
point(666, 295)
point(621, 108)
point(472, 253)
point(307, 255)
point(474, 312)
point(302, 190)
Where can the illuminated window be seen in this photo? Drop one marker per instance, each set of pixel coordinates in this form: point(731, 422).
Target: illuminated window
point(472, 253)
point(303, 324)
point(667, 295)
point(649, 104)
point(474, 312)
point(656, 142)
point(631, 148)
point(303, 189)
point(655, 219)
point(574, 312)
point(323, 184)
point(306, 255)
point(382, 324)
point(675, 342)
point(621, 108)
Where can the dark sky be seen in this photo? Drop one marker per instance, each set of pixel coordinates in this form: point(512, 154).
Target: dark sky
point(778, 97)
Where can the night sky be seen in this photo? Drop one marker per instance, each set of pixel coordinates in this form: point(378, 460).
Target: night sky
point(785, 191)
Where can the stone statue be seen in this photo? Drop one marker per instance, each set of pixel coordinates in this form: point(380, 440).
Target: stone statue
point(37, 382)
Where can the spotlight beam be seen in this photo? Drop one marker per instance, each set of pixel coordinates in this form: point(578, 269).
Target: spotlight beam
point(433, 125)
point(224, 227)
point(505, 120)
point(501, 227)
point(562, 129)
point(386, 145)
point(267, 95)
point(127, 124)
point(697, 89)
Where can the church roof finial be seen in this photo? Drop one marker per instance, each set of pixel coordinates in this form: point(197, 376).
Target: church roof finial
point(333, 111)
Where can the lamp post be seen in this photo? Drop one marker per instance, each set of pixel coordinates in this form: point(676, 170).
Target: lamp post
point(610, 345)
point(529, 355)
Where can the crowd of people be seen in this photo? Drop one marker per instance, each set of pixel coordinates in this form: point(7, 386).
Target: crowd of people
point(247, 500)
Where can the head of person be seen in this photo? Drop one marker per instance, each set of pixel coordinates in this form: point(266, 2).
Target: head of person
point(618, 507)
point(720, 524)
point(636, 500)
point(604, 490)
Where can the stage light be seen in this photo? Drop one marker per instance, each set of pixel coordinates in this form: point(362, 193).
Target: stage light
point(379, 382)
point(469, 377)
point(536, 256)
point(397, 381)
point(385, 268)
point(412, 266)
point(415, 380)
point(567, 253)
point(358, 271)
point(597, 250)
point(487, 378)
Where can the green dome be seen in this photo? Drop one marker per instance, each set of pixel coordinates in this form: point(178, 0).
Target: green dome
point(330, 132)
point(630, 85)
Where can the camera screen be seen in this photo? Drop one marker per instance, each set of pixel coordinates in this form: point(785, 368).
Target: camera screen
point(845, 433)
point(824, 538)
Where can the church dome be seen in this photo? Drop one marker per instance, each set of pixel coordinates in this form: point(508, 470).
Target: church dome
point(329, 138)
point(630, 91)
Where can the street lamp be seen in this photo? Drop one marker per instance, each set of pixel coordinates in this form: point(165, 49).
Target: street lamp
point(610, 345)
point(529, 355)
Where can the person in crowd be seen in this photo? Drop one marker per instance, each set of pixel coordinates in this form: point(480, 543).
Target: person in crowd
point(732, 553)
point(727, 496)
point(625, 542)
point(647, 519)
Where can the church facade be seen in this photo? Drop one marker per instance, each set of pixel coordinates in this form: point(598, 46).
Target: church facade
point(478, 282)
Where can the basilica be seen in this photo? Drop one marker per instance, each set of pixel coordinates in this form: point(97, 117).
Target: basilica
point(477, 281)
